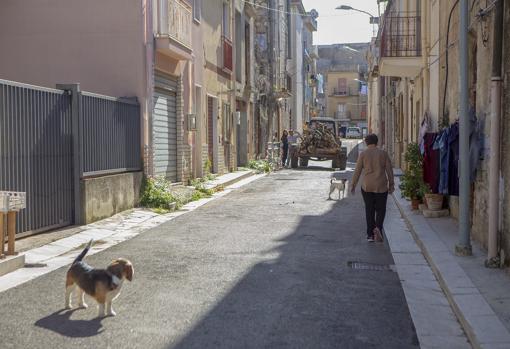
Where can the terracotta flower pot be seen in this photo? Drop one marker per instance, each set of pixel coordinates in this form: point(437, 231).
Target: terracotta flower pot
point(415, 203)
point(434, 201)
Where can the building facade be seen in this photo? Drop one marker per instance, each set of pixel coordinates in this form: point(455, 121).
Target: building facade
point(414, 74)
point(344, 68)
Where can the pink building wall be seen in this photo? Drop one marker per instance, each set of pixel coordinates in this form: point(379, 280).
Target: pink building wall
point(98, 43)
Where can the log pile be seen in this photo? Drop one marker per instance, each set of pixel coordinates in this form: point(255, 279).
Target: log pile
point(319, 137)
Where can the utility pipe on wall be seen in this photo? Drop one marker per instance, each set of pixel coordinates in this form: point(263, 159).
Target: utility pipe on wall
point(463, 247)
point(492, 256)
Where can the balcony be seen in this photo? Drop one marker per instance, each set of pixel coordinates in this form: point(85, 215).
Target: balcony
point(342, 92)
point(174, 29)
point(311, 23)
point(343, 115)
point(226, 44)
point(400, 45)
point(315, 52)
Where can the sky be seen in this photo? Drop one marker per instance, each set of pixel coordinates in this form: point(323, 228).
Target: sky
point(340, 26)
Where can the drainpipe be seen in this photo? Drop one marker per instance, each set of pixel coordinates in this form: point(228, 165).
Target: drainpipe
point(492, 256)
point(463, 247)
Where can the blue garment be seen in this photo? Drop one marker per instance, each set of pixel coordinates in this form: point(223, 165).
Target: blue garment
point(441, 143)
point(453, 160)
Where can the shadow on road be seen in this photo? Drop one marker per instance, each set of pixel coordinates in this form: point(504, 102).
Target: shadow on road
point(354, 153)
point(308, 297)
point(61, 323)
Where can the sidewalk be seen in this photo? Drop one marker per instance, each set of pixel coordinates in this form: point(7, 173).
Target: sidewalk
point(480, 297)
point(47, 252)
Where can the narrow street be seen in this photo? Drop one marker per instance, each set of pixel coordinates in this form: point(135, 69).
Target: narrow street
point(263, 267)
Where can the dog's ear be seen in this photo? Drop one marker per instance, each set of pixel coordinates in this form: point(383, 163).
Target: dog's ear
point(129, 271)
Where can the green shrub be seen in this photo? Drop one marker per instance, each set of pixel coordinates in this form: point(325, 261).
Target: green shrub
point(413, 186)
point(208, 166)
point(156, 193)
point(260, 166)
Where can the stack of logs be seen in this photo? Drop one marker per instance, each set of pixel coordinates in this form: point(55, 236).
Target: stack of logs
point(319, 137)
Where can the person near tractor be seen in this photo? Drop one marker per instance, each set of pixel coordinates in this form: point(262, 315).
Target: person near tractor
point(293, 140)
point(285, 146)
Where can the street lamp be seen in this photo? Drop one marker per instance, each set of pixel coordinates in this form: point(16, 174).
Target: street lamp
point(373, 19)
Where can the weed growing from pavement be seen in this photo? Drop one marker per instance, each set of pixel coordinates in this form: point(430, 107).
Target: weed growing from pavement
point(156, 194)
point(260, 166)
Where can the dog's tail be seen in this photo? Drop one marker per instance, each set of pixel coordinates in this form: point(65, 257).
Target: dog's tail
point(84, 252)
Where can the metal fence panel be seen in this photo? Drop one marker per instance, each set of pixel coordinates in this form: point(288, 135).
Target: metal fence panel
point(111, 136)
point(36, 154)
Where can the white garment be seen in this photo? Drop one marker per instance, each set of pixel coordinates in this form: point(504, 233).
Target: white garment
point(424, 128)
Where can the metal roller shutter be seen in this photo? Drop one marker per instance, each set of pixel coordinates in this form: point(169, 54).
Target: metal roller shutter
point(164, 126)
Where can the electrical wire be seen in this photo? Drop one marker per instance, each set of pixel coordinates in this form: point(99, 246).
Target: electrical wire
point(446, 68)
point(290, 12)
point(276, 10)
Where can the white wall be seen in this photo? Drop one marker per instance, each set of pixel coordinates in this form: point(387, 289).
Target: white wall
point(297, 72)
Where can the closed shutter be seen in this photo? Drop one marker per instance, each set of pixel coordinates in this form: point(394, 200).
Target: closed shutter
point(164, 126)
point(210, 110)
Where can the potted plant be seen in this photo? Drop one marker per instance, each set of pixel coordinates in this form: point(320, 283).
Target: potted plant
point(434, 201)
point(413, 186)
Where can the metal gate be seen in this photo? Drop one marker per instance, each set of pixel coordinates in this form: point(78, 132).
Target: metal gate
point(36, 154)
point(164, 127)
point(51, 139)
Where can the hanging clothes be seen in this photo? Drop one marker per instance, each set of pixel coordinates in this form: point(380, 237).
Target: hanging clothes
point(424, 128)
point(443, 146)
point(453, 167)
point(431, 159)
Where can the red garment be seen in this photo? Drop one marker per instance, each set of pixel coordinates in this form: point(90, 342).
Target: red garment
point(431, 162)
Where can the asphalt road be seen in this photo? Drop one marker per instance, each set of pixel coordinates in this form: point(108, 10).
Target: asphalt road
point(263, 267)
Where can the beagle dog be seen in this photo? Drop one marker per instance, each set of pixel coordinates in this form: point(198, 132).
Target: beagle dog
point(101, 284)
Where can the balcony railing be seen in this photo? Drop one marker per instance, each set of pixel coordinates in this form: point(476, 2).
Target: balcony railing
point(340, 92)
point(401, 36)
point(343, 115)
point(179, 22)
point(227, 53)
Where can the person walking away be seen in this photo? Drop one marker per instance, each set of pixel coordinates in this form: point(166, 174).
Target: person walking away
point(285, 146)
point(375, 164)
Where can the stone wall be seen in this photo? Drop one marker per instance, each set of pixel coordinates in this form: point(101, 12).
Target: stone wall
point(102, 197)
point(479, 61)
point(205, 159)
point(505, 141)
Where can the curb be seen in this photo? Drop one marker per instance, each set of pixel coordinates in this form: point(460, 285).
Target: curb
point(235, 180)
point(461, 317)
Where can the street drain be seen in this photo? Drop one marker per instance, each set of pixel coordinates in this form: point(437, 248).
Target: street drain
point(370, 266)
point(35, 265)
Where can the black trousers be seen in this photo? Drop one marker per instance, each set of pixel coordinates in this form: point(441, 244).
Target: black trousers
point(285, 152)
point(375, 210)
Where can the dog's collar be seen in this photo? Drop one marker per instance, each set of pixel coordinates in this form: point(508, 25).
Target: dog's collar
point(115, 280)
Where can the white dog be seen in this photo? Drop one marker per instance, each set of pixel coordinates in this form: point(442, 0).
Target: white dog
point(338, 184)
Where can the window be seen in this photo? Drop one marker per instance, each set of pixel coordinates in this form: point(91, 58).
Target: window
point(226, 20)
point(227, 123)
point(197, 10)
point(342, 86)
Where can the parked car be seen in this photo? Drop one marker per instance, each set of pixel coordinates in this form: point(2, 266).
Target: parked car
point(354, 132)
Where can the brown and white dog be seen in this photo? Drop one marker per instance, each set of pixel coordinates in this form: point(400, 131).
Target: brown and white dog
point(102, 284)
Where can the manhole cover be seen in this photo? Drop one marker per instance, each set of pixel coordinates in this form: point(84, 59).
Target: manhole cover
point(370, 266)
